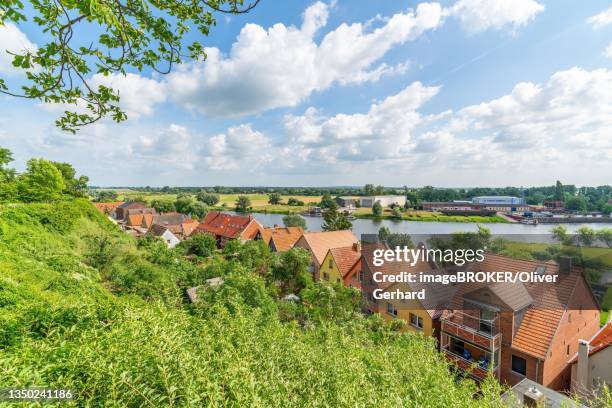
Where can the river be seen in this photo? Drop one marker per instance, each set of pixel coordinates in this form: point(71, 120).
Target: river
point(512, 231)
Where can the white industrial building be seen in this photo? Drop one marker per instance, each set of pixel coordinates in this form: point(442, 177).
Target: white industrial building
point(384, 200)
point(498, 200)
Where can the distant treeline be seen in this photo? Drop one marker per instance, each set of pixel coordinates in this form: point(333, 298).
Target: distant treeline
point(576, 198)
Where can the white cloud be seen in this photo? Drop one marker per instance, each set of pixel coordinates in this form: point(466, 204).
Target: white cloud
point(240, 147)
point(138, 94)
point(283, 65)
point(602, 19)
point(15, 41)
point(608, 51)
point(480, 15)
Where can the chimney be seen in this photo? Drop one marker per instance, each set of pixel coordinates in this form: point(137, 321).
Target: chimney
point(357, 246)
point(582, 367)
point(533, 398)
point(565, 265)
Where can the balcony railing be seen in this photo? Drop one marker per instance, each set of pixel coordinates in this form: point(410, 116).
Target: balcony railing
point(480, 332)
point(477, 370)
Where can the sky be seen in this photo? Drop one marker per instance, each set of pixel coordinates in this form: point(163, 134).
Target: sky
point(301, 93)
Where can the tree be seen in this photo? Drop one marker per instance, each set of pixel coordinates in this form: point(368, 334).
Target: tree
point(42, 181)
point(605, 236)
point(294, 220)
point(8, 189)
point(559, 233)
point(243, 204)
point(396, 213)
point(75, 187)
point(199, 244)
point(183, 203)
point(292, 201)
point(377, 209)
point(586, 236)
point(369, 190)
point(274, 198)
point(198, 209)
point(102, 196)
point(334, 221)
point(209, 199)
point(327, 201)
point(163, 206)
point(394, 239)
point(290, 269)
point(140, 35)
point(575, 204)
point(559, 193)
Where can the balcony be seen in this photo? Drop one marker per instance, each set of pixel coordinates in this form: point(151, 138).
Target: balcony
point(480, 332)
point(477, 365)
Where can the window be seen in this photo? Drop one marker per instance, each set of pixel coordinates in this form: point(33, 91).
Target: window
point(391, 310)
point(567, 350)
point(326, 276)
point(337, 280)
point(360, 276)
point(331, 263)
point(519, 365)
point(416, 321)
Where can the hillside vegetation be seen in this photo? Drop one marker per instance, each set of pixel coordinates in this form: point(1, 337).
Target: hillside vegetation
point(83, 307)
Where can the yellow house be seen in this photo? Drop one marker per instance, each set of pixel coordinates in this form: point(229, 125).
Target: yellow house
point(338, 263)
point(412, 312)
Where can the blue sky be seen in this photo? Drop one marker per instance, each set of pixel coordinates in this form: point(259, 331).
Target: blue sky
point(456, 93)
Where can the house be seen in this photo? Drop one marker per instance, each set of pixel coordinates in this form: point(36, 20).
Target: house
point(520, 330)
point(139, 220)
point(528, 393)
point(280, 239)
point(319, 243)
point(592, 364)
point(164, 233)
point(179, 224)
point(121, 210)
point(339, 262)
point(109, 209)
point(384, 200)
point(420, 315)
point(225, 227)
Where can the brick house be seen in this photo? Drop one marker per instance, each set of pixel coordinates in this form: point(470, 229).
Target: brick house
point(121, 211)
point(339, 263)
point(280, 239)
point(225, 227)
point(520, 330)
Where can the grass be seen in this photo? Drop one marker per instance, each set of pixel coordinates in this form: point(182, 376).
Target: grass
point(603, 255)
point(603, 317)
point(259, 203)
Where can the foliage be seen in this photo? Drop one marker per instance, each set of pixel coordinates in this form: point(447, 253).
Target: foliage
point(294, 220)
point(209, 199)
point(576, 204)
point(327, 201)
point(243, 204)
point(274, 198)
point(131, 35)
point(559, 193)
point(102, 196)
point(163, 206)
point(605, 236)
point(199, 244)
point(377, 209)
point(335, 221)
point(41, 182)
point(290, 270)
point(394, 239)
point(586, 236)
point(292, 201)
point(73, 186)
point(559, 233)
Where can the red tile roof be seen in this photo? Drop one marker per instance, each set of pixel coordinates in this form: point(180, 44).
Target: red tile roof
point(321, 242)
point(283, 237)
point(107, 208)
point(345, 258)
point(225, 225)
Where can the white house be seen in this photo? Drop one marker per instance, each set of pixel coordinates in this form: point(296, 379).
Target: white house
point(164, 233)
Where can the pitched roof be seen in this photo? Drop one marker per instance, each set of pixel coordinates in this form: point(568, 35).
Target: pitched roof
point(283, 238)
point(157, 230)
point(601, 340)
point(321, 242)
point(108, 207)
point(345, 257)
point(135, 220)
point(542, 317)
point(188, 226)
point(131, 204)
point(225, 225)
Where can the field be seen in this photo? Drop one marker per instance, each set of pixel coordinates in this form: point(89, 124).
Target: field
point(259, 203)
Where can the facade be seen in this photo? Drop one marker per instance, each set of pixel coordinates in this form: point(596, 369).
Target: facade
point(384, 200)
point(164, 233)
point(338, 263)
point(498, 200)
point(121, 210)
point(319, 243)
point(422, 316)
point(280, 239)
point(592, 365)
point(463, 206)
point(520, 330)
point(225, 227)
point(347, 201)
